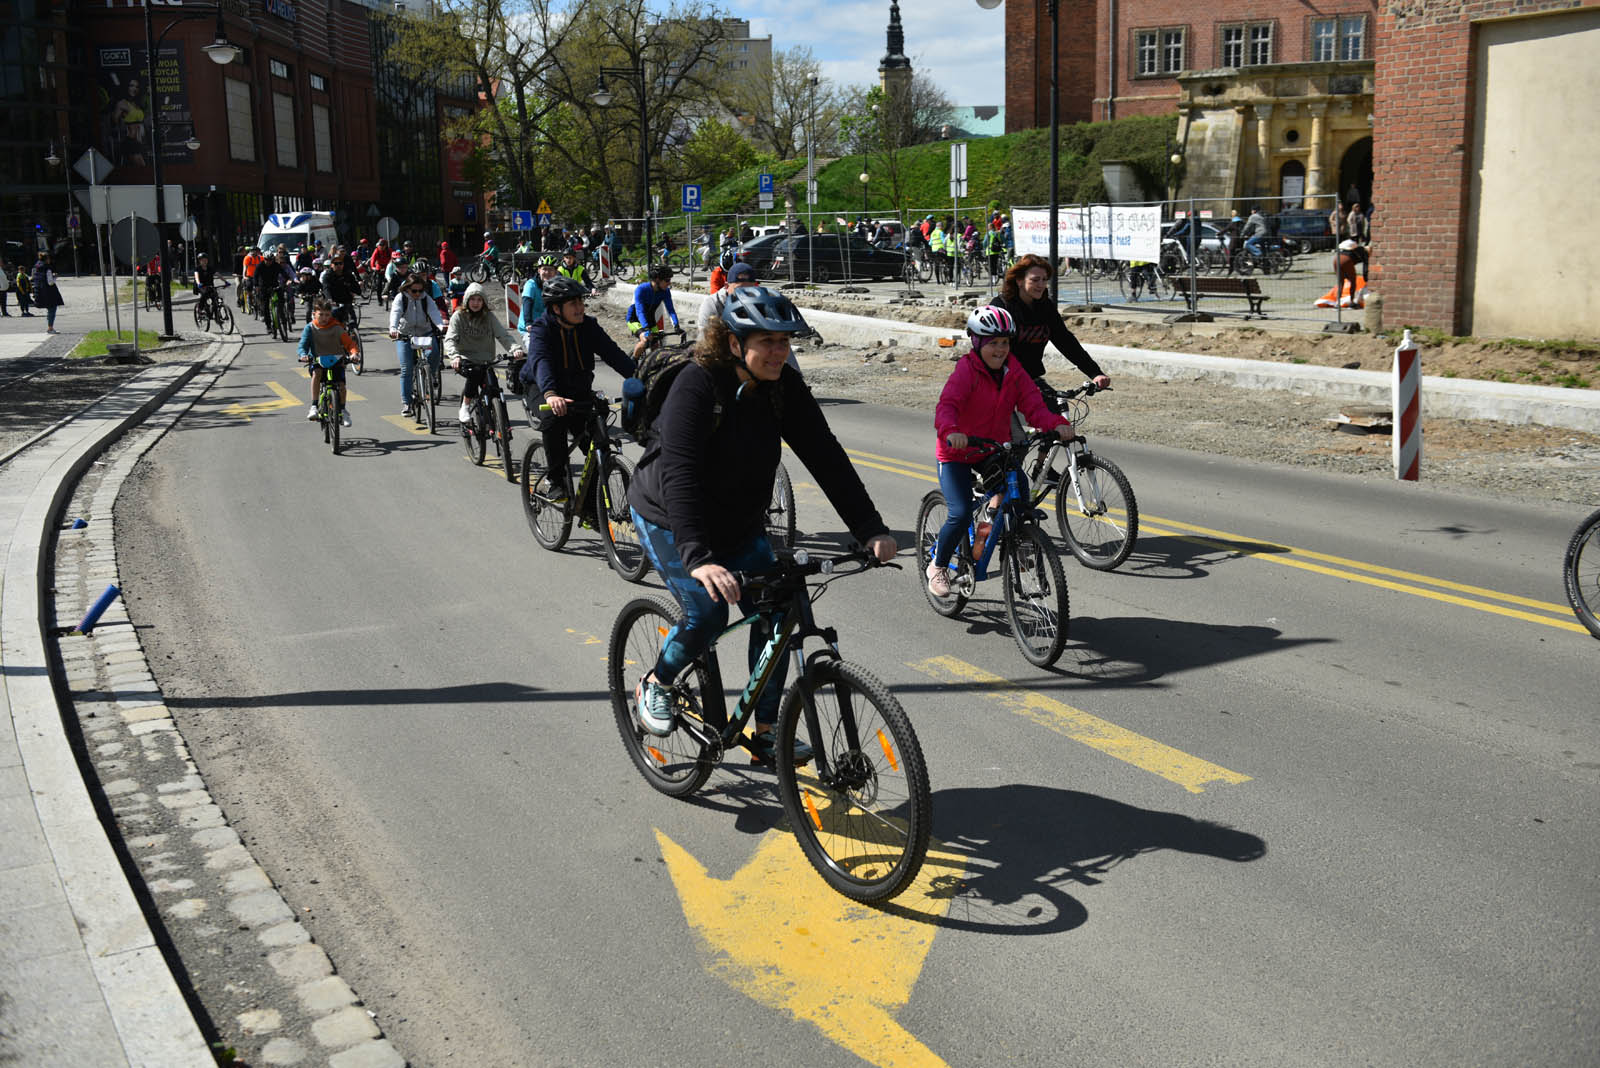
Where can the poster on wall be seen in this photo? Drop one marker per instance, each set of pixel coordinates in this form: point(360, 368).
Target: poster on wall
point(128, 107)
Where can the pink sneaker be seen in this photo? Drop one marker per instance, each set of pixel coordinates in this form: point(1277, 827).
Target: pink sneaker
point(938, 580)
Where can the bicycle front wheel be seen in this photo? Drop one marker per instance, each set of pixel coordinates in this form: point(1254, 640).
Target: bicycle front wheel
point(676, 765)
point(474, 435)
point(780, 513)
point(422, 392)
point(202, 321)
point(1581, 572)
point(223, 318)
point(1036, 596)
point(502, 439)
point(615, 522)
point(549, 519)
point(1098, 516)
point(862, 811)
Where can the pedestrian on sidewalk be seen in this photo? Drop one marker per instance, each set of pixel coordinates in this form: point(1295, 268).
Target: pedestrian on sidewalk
point(22, 283)
point(5, 288)
point(45, 292)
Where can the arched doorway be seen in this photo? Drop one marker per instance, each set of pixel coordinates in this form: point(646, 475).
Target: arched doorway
point(1355, 173)
point(1292, 183)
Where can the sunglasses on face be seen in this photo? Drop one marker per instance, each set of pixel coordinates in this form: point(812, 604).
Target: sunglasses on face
point(413, 292)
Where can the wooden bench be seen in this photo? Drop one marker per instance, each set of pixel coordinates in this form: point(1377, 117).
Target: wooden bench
point(1248, 288)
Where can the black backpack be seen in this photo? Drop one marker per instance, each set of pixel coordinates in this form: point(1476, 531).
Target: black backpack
point(644, 394)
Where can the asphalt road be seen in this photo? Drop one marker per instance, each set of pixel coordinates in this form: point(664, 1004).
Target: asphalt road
point(1315, 782)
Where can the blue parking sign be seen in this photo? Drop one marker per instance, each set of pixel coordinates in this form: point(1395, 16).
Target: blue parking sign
point(765, 185)
point(691, 198)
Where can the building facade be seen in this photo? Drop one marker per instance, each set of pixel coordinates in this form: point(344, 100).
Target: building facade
point(1486, 111)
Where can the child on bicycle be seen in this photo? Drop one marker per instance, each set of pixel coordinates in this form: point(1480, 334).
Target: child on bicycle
point(978, 399)
point(469, 344)
point(326, 345)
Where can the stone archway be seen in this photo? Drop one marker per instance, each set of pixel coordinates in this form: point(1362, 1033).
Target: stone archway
point(1355, 172)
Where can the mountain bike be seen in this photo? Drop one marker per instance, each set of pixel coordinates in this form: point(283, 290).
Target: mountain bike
point(210, 309)
point(424, 385)
point(862, 813)
point(1137, 280)
point(1581, 572)
point(600, 490)
point(1095, 507)
point(246, 298)
point(328, 402)
point(1034, 586)
point(277, 317)
point(487, 422)
point(1272, 259)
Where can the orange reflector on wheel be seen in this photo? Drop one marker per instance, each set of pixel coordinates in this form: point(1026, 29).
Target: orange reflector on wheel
point(663, 631)
point(655, 754)
point(888, 750)
point(816, 817)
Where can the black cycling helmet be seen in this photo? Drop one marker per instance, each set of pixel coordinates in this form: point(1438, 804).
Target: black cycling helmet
point(561, 289)
point(750, 309)
point(660, 273)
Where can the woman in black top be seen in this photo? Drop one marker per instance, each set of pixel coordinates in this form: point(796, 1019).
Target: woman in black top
point(1025, 293)
point(701, 493)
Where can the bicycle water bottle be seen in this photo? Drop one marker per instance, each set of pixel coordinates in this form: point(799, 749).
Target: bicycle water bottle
point(981, 529)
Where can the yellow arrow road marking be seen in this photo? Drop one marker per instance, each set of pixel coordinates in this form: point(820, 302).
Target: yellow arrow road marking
point(285, 400)
point(1174, 765)
point(1289, 556)
point(779, 934)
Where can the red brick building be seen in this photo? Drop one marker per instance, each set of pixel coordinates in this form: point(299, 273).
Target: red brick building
point(1123, 57)
point(286, 126)
point(1487, 116)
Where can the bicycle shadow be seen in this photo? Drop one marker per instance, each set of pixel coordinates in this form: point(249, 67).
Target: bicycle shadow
point(1025, 846)
point(1138, 650)
point(1181, 556)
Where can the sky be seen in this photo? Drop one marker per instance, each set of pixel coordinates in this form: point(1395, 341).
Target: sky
point(958, 42)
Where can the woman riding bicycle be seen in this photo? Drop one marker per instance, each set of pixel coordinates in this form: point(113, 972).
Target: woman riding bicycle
point(469, 342)
point(413, 314)
point(562, 346)
point(702, 490)
point(978, 399)
point(1025, 294)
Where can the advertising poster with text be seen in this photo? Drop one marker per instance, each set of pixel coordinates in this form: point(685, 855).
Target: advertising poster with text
point(1099, 231)
point(128, 106)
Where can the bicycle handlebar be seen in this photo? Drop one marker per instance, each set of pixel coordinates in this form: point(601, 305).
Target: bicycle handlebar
point(796, 567)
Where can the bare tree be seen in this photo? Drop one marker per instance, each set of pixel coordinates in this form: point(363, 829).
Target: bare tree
point(881, 125)
point(777, 104)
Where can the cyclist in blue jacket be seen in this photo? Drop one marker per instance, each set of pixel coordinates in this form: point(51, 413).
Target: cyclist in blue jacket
point(648, 299)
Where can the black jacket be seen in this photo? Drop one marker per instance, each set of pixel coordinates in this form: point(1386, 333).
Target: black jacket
point(708, 475)
point(561, 358)
point(1038, 323)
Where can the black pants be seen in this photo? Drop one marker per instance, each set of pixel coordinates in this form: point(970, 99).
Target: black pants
point(558, 431)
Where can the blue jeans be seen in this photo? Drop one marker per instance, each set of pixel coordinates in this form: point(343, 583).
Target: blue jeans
point(1253, 245)
point(50, 316)
point(704, 618)
point(955, 482)
point(403, 351)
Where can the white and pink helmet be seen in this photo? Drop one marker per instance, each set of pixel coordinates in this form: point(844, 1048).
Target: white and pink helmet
point(991, 321)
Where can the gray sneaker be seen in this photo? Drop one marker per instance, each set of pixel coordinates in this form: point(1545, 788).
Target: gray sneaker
point(652, 705)
point(764, 750)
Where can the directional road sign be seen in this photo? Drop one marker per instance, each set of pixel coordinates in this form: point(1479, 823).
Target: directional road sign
point(522, 220)
point(691, 198)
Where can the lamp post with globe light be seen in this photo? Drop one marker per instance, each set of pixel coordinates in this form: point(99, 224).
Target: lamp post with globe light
point(66, 180)
point(602, 97)
point(1055, 129)
point(221, 52)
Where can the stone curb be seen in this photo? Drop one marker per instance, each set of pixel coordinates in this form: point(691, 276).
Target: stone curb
point(1451, 398)
point(200, 876)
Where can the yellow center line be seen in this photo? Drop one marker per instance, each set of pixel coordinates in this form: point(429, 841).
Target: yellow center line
point(1190, 772)
point(1305, 559)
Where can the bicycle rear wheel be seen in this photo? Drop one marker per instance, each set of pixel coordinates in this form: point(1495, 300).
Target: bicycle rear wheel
point(780, 513)
point(930, 517)
point(676, 765)
point(614, 520)
point(1581, 573)
point(1036, 596)
point(1100, 521)
point(549, 519)
point(862, 811)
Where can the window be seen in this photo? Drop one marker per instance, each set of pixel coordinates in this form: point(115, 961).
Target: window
point(241, 129)
point(1158, 52)
point(278, 68)
point(283, 126)
point(1247, 44)
point(1352, 37)
point(322, 136)
point(318, 84)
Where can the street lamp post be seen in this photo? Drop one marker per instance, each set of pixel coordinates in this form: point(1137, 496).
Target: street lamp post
point(66, 180)
point(864, 179)
point(221, 52)
point(1055, 130)
point(602, 97)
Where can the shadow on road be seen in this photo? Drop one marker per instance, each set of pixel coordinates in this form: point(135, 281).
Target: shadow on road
point(473, 693)
point(1178, 556)
point(1027, 845)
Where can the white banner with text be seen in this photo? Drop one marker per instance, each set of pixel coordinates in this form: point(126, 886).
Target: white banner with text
point(1099, 231)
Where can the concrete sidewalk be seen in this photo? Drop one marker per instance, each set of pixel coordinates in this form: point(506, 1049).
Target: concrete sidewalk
point(82, 979)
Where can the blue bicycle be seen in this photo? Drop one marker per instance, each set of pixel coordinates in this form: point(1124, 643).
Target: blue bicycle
point(1033, 582)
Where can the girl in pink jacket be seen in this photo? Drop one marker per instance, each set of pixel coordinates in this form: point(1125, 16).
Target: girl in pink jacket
point(978, 399)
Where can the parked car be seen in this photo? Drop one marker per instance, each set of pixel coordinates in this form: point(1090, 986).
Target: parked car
point(758, 251)
point(822, 257)
point(1303, 230)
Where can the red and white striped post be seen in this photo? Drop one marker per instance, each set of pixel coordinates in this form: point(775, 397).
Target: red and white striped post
point(514, 307)
point(605, 262)
point(1407, 411)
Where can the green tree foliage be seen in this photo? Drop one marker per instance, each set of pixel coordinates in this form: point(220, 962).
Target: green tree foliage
point(714, 151)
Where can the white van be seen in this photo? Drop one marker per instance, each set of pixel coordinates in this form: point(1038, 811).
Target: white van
point(296, 228)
